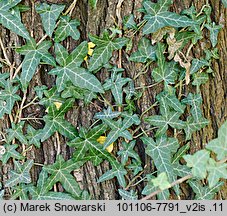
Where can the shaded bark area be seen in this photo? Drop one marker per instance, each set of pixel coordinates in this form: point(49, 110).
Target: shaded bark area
point(94, 22)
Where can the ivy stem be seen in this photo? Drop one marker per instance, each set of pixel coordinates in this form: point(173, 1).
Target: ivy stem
point(30, 103)
point(4, 53)
point(144, 132)
point(150, 86)
point(179, 181)
point(144, 112)
point(137, 176)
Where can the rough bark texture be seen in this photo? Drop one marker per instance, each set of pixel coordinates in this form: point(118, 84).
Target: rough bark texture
point(94, 21)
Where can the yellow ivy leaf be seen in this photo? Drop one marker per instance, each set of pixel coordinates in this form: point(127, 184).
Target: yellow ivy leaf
point(90, 50)
point(58, 105)
point(102, 140)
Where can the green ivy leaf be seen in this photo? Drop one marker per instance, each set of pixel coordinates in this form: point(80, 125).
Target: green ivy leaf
point(61, 54)
point(224, 2)
point(219, 145)
point(167, 118)
point(49, 15)
point(67, 28)
point(150, 188)
point(119, 128)
point(39, 192)
point(215, 172)
point(146, 52)
point(195, 101)
point(21, 192)
point(115, 83)
point(128, 195)
point(33, 136)
point(161, 152)
point(192, 125)
point(33, 56)
point(166, 71)
point(87, 141)
point(93, 3)
point(70, 70)
point(117, 171)
point(161, 181)
point(8, 97)
point(198, 64)
point(6, 4)
point(129, 22)
point(204, 192)
point(16, 133)
point(214, 30)
point(103, 50)
point(60, 172)
point(135, 166)
point(198, 162)
point(10, 152)
point(20, 174)
point(128, 151)
point(157, 17)
point(200, 78)
point(55, 121)
point(3, 78)
point(107, 114)
point(12, 22)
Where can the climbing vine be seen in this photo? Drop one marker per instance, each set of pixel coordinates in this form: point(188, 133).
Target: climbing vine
point(118, 127)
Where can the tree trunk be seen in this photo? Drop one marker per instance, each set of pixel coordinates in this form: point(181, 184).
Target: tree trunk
point(94, 21)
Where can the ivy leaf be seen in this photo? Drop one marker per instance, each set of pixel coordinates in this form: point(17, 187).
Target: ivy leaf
point(198, 162)
point(219, 145)
point(146, 52)
point(39, 192)
point(117, 171)
point(204, 192)
point(161, 152)
point(161, 181)
point(181, 170)
point(3, 77)
point(224, 2)
point(61, 54)
point(87, 141)
point(10, 152)
point(215, 172)
point(16, 133)
point(51, 96)
point(33, 55)
point(200, 78)
point(55, 121)
point(104, 48)
point(20, 174)
point(8, 97)
point(128, 151)
point(150, 188)
point(128, 195)
point(49, 15)
point(115, 83)
point(166, 71)
point(170, 118)
point(119, 128)
point(67, 28)
point(6, 4)
point(195, 101)
point(12, 22)
point(214, 30)
point(70, 70)
point(107, 114)
point(192, 125)
point(93, 3)
point(129, 22)
point(33, 136)
point(135, 166)
point(21, 192)
point(60, 172)
point(158, 17)
point(198, 64)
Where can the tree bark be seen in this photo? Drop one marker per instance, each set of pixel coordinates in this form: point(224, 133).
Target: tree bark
point(94, 21)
